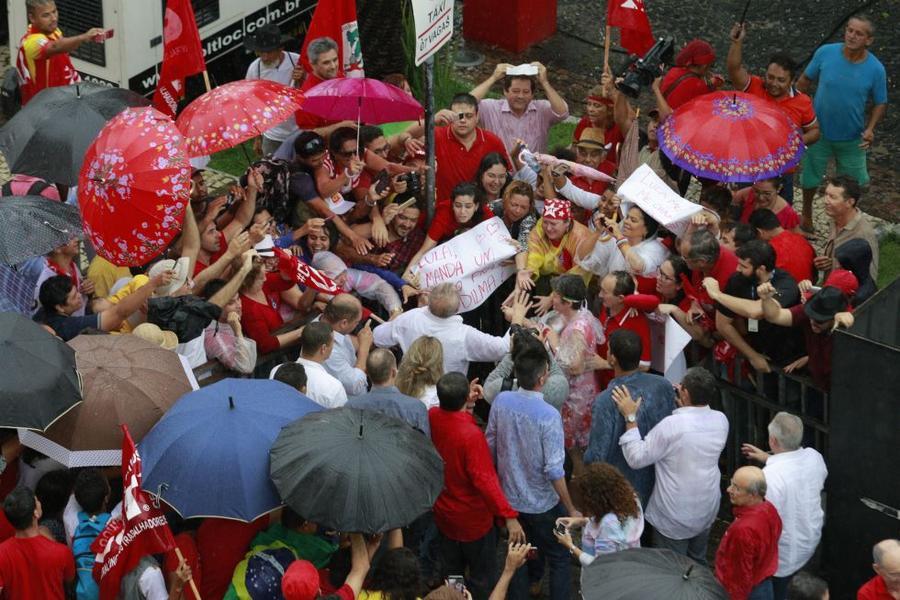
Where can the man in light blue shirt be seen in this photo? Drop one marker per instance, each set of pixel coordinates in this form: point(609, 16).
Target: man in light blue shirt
point(847, 77)
point(525, 436)
point(384, 396)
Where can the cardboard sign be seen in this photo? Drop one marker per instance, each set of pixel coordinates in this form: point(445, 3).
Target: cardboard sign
point(472, 260)
point(654, 197)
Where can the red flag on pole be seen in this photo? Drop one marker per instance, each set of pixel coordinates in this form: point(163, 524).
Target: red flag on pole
point(634, 26)
point(336, 19)
point(139, 531)
point(182, 55)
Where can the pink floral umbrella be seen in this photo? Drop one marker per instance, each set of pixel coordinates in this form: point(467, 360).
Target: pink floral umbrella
point(134, 186)
point(234, 112)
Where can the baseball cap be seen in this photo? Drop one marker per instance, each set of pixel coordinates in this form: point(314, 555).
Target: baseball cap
point(338, 204)
point(843, 280)
point(180, 267)
point(153, 334)
point(300, 581)
point(265, 247)
point(825, 303)
point(696, 52)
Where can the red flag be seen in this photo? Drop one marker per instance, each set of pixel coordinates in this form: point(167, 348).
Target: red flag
point(634, 26)
point(139, 531)
point(336, 19)
point(182, 56)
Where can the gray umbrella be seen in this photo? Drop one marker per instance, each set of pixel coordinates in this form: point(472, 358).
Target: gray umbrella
point(33, 225)
point(642, 573)
point(355, 470)
point(49, 136)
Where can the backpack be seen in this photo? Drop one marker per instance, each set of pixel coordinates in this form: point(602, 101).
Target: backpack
point(274, 195)
point(36, 188)
point(89, 527)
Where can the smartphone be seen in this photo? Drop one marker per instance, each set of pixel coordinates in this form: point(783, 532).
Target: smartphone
point(457, 582)
point(382, 182)
point(561, 529)
point(104, 36)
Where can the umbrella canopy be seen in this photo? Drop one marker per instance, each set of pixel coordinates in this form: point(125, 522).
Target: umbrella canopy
point(362, 100)
point(127, 380)
point(218, 438)
point(231, 113)
point(39, 383)
point(355, 470)
point(641, 573)
point(134, 187)
point(16, 295)
point(49, 136)
point(731, 136)
point(33, 226)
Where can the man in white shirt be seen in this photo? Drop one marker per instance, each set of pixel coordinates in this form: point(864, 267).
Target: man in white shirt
point(461, 343)
point(685, 447)
point(795, 477)
point(316, 344)
point(347, 362)
point(274, 64)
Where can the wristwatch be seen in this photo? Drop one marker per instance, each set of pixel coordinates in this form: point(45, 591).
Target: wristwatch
point(632, 418)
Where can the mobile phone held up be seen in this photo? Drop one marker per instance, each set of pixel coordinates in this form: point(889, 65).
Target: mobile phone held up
point(457, 582)
point(100, 38)
point(561, 529)
point(382, 182)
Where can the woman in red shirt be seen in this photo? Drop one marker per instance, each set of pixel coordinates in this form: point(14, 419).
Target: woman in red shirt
point(260, 299)
point(599, 113)
point(465, 210)
point(615, 315)
point(765, 194)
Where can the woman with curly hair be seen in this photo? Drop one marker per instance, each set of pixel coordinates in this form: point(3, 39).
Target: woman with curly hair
point(396, 576)
point(613, 518)
point(420, 369)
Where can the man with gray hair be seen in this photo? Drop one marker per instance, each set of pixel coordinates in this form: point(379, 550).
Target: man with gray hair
point(795, 478)
point(707, 258)
point(685, 449)
point(324, 63)
point(886, 583)
point(384, 396)
point(462, 343)
point(748, 553)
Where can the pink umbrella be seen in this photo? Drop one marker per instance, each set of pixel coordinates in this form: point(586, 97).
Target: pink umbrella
point(362, 100)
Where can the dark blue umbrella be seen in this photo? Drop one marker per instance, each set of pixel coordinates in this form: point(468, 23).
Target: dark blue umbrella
point(209, 455)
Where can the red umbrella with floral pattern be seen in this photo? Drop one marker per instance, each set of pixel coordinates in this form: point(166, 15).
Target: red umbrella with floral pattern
point(231, 113)
point(731, 136)
point(134, 186)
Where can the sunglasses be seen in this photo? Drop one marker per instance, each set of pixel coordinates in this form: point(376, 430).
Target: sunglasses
point(313, 146)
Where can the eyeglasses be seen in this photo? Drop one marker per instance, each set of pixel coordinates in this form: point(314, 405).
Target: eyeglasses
point(663, 277)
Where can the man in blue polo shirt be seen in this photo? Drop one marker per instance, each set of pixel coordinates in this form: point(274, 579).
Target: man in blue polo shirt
point(847, 76)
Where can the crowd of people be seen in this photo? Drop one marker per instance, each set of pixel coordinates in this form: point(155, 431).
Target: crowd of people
point(561, 441)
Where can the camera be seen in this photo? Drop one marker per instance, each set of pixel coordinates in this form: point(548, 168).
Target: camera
point(641, 72)
point(413, 185)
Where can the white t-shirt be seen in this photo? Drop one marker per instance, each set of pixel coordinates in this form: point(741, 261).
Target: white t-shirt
point(282, 74)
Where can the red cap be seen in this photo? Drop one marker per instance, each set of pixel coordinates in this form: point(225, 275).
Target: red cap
point(696, 52)
point(300, 581)
point(557, 208)
point(843, 280)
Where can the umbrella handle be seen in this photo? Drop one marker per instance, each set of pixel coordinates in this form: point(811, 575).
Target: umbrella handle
point(159, 492)
point(687, 573)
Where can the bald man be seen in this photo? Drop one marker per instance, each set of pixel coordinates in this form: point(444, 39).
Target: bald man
point(886, 583)
point(748, 553)
point(347, 362)
point(384, 396)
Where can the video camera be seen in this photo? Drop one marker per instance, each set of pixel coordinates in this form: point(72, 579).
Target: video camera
point(641, 72)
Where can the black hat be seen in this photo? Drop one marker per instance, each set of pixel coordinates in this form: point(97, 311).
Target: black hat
point(571, 288)
point(267, 38)
point(825, 303)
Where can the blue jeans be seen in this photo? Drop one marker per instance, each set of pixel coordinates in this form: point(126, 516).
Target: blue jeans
point(763, 591)
point(539, 533)
point(780, 587)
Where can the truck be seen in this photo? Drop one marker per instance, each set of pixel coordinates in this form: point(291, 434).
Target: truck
point(132, 57)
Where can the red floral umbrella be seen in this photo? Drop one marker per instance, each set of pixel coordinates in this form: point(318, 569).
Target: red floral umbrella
point(731, 136)
point(237, 111)
point(134, 185)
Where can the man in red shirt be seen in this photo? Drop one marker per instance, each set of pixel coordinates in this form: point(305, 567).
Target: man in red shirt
point(31, 565)
point(792, 252)
point(614, 287)
point(707, 258)
point(222, 544)
point(43, 59)
point(459, 146)
point(465, 511)
point(323, 58)
point(886, 583)
point(748, 553)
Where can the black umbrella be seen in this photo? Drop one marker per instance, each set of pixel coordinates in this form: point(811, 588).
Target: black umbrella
point(33, 225)
point(354, 470)
point(49, 136)
point(39, 382)
point(642, 573)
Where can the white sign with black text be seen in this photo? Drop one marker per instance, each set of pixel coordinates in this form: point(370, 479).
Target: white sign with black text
point(434, 26)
